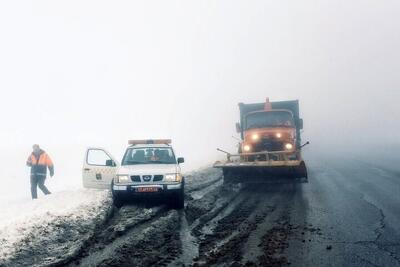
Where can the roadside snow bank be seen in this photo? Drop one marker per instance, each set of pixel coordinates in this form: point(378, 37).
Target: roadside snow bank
point(56, 225)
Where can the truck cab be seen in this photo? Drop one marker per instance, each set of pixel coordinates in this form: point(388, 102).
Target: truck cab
point(269, 131)
point(148, 168)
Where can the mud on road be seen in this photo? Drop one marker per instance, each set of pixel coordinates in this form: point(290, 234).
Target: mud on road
point(221, 225)
point(347, 215)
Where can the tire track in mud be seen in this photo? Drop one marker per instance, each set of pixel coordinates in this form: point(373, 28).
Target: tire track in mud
point(197, 214)
point(199, 179)
point(135, 228)
point(221, 241)
point(121, 223)
point(199, 193)
point(220, 225)
point(202, 186)
point(250, 230)
point(196, 190)
point(153, 243)
point(229, 225)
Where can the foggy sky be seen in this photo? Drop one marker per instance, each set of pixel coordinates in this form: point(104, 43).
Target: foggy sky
point(75, 74)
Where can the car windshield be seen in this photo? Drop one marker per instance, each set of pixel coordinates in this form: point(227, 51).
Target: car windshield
point(149, 155)
point(269, 119)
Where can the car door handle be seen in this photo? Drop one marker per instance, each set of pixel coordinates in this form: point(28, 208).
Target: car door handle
point(86, 169)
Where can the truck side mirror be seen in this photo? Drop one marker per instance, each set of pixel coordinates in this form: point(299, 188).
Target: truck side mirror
point(238, 127)
point(301, 123)
point(181, 160)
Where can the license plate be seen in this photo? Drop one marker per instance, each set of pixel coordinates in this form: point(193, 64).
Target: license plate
point(146, 189)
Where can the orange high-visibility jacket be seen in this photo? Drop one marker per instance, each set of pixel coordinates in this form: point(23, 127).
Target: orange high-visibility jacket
point(39, 164)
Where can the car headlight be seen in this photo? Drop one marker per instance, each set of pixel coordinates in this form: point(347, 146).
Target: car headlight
point(289, 146)
point(246, 148)
point(122, 178)
point(173, 177)
point(255, 137)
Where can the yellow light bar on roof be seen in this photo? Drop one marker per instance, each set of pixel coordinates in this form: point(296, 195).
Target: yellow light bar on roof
point(150, 141)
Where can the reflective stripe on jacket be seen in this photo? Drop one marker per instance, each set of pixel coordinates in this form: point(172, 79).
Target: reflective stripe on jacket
point(39, 164)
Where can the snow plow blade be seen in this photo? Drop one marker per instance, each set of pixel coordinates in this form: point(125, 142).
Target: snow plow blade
point(244, 171)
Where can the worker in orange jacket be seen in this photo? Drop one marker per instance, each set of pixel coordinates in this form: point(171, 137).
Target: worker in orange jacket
point(39, 161)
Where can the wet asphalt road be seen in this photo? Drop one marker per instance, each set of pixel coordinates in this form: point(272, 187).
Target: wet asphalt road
point(353, 209)
point(348, 214)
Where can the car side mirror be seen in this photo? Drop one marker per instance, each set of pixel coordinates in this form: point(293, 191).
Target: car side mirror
point(300, 123)
point(238, 127)
point(110, 163)
point(181, 160)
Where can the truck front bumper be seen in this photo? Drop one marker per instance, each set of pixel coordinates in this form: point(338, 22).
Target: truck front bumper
point(146, 190)
point(263, 159)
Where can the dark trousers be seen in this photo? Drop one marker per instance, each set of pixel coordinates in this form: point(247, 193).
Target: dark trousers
point(38, 180)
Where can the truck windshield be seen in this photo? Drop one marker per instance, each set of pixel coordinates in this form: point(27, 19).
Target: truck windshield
point(269, 119)
point(149, 155)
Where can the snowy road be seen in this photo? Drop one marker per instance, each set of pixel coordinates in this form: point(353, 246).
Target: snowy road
point(347, 215)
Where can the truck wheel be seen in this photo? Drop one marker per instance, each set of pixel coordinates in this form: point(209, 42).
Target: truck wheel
point(302, 171)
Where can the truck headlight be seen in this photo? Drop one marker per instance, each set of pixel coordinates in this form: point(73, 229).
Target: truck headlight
point(122, 178)
point(173, 177)
point(255, 137)
point(246, 148)
point(289, 146)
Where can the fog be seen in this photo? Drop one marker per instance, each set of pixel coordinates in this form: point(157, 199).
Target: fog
point(75, 74)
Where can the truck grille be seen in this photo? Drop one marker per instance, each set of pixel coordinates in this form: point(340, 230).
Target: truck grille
point(147, 178)
point(269, 145)
point(135, 178)
point(157, 178)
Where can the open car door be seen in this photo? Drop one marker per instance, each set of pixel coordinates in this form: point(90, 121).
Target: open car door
point(99, 168)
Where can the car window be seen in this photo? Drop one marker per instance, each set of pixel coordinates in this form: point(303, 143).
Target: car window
point(97, 157)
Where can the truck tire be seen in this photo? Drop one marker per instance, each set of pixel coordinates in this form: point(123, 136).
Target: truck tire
point(178, 202)
point(302, 171)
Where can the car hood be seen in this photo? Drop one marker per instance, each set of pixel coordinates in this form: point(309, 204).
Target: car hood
point(149, 169)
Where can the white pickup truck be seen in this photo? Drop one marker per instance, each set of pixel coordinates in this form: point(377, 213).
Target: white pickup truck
point(148, 168)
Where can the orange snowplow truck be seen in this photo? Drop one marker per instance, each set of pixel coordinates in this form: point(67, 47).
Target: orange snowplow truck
point(270, 143)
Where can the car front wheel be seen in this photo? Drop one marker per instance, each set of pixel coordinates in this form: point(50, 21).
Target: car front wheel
point(178, 201)
point(117, 200)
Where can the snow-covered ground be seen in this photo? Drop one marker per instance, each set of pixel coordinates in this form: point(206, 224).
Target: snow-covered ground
point(63, 219)
point(54, 218)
